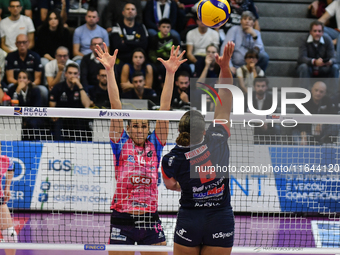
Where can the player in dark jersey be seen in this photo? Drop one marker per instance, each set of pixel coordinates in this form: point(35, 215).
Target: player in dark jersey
point(6, 223)
point(137, 155)
point(205, 221)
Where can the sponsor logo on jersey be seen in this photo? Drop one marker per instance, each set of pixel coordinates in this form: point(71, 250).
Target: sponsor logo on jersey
point(207, 204)
point(137, 180)
point(222, 235)
point(131, 159)
point(171, 160)
point(149, 154)
point(138, 204)
point(217, 134)
point(215, 192)
point(195, 189)
point(196, 152)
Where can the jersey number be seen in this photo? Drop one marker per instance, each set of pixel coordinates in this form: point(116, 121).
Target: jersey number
point(206, 172)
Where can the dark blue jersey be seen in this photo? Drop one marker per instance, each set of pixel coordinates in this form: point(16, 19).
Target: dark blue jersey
point(202, 187)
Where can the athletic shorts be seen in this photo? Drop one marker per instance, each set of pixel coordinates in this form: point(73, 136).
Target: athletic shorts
point(142, 229)
point(205, 226)
point(2, 201)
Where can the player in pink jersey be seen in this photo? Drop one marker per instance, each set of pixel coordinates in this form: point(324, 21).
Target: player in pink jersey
point(136, 156)
point(6, 223)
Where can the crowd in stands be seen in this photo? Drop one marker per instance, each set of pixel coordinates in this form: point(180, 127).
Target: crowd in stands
point(46, 62)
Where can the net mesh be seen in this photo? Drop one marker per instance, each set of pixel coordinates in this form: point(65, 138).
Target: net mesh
point(285, 188)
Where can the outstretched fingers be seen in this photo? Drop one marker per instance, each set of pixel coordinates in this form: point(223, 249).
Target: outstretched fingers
point(115, 53)
point(177, 50)
point(182, 54)
point(161, 60)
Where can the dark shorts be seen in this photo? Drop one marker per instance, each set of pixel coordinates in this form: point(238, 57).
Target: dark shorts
point(143, 229)
point(2, 201)
point(212, 227)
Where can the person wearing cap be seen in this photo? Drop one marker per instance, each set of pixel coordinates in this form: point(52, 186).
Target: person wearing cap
point(246, 38)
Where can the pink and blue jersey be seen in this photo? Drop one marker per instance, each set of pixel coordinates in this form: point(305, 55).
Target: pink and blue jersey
point(136, 173)
point(5, 164)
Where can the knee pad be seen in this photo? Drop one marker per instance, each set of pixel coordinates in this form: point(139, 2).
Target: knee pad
point(10, 235)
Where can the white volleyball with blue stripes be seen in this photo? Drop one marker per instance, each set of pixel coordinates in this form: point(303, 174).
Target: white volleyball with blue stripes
point(213, 13)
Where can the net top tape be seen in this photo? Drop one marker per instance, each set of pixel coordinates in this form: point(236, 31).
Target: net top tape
point(158, 115)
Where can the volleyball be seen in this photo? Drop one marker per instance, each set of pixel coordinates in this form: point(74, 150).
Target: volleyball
point(213, 13)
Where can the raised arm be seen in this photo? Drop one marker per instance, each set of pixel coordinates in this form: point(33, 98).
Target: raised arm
point(108, 61)
point(222, 111)
point(171, 66)
point(7, 189)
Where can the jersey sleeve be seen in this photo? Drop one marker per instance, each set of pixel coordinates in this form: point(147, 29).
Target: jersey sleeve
point(218, 131)
point(118, 146)
point(168, 166)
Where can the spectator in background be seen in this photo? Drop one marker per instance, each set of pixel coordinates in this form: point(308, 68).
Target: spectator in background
point(114, 12)
point(3, 55)
point(2, 86)
point(333, 10)
point(55, 69)
point(160, 44)
point(28, 95)
point(197, 41)
point(237, 8)
point(2, 83)
point(23, 59)
point(14, 25)
point(98, 94)
point(248, 72)
point(90, 66)
point(318, 8)
point(25, 10)
point(305, 134)
point(246, 38)
point(160, 47)
point(70, 94)
point(262, 100)
point(181, 94)
point(51, 35)
point(317, 56)
point(211, 68)
point(138, 65)
point(156, 10)
point(83, 35)
point(128, 35)
point(139, 90)
point(46, 6)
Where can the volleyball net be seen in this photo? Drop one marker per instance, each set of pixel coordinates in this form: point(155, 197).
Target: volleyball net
point(285, 189)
